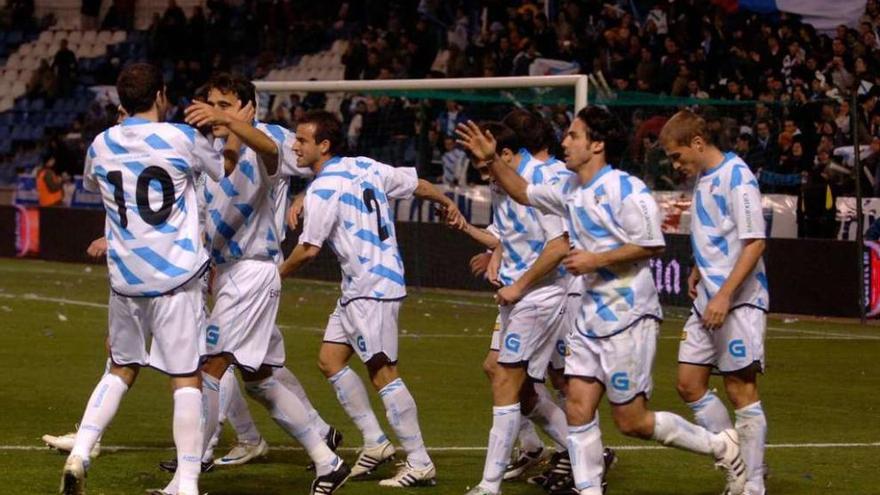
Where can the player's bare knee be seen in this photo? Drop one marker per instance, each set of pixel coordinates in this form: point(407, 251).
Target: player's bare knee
point(690, 390)
point(742, 388)
point(216, 365)
point(332, 358)
point(128, 374)
point(632, 423)
point(490, 366)
point(578, 412)
point(381, 370)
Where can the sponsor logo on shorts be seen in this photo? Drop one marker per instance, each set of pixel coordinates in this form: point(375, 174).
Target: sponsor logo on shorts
point(737, 348)
point(511, 342)
point(361, 343)
point(213, 334)
point(684, 335)
point(620, 381)
point(560, 348)
point(273, 293)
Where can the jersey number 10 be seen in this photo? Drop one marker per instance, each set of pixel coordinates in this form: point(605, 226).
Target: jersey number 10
point(150, 174)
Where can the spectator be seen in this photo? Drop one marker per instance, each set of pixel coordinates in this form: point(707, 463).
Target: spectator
point(455, 163)
point(50, 186)
point(449, 119)
point(42, 82)
point(64, 64)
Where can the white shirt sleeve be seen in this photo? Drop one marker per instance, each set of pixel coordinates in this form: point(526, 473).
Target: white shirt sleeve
point(206, 159)
point(641, 220)
point(748, 215)
point(552, 225)
point(399, 182)
point(547, 198)
point(90, 181)
point(321, 206)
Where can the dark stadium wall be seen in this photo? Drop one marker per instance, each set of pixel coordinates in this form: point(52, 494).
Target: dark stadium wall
point(7, 230)
point(815, 277)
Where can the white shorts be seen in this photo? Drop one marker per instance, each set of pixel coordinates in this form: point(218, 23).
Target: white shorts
point(530, 330)
point(495, 344)
point(622, 362)
point(738, 344)
point(573, 304)
point(171, 325)
point(242, 322)
point(368, 326)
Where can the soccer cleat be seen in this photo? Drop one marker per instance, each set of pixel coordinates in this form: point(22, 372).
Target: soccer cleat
point(557, 476)
point(64, 443)
point(609, 459)
point(330, 482)
point(479, 490)
point(333, 439)
point(524, 462)
point(73, 478)
point(731, 461)
point(371, 458)
point(408, 476)
point(243, 453)
point(170, 466)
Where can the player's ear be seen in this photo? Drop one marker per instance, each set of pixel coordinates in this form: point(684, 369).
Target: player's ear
point(698, 143)
point(324, 146)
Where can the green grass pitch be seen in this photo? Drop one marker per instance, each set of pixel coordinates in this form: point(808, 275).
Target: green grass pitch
point(820, 394)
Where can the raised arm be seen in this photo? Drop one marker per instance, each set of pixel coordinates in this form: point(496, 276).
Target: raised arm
point(482, 145)
point(199, 114)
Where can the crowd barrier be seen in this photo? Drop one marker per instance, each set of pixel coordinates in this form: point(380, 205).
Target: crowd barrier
point(816, 277)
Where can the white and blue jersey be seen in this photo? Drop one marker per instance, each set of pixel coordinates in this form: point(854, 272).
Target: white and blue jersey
point(612, 210)
point(146, 173)
point(524, 230)
point(241, 208)
point(347, 207)
point(726, 211)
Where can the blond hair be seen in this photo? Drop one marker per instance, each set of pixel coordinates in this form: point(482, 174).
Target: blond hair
point(683, 127)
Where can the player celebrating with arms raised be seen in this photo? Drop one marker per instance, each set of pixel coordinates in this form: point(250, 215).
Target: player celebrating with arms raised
point(347, 206)
point(729, 285)
point(614, 226)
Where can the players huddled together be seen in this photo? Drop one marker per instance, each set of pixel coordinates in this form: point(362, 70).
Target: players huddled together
point(199, 210)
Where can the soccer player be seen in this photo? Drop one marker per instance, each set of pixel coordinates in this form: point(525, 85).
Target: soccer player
point(615, 228)
point(531, 305)
point(144, 170)
point(729, 285)
point(346, 207)
point(242, 233)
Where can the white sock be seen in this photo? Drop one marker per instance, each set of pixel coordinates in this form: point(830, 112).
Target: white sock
point(287, 410)
point(289, 380)
point(353, 397)
point(550, 417)
point(710, 413)
point(751, 425)
point(673, 430)
point(188, 434)
point(505, 425)
point(529, 441)
point(210, 409)
point(107, 365)
point(102, 406)
point(585, 451)
point(402, 414)
point(235, 408)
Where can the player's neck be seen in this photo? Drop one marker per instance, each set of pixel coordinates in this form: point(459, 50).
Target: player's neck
point(319, 165)
point(588, 171)
point(542, 155)
point(152, 115)
point(713, 158)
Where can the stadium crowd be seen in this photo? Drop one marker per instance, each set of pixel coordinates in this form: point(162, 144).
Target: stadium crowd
point(776, 90)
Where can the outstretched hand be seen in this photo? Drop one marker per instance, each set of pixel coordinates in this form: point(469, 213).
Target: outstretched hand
point(452, 217)
point(480, 143)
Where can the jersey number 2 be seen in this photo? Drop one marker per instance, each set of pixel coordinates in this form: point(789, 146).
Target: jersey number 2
point(142, 198)
point(373, 206)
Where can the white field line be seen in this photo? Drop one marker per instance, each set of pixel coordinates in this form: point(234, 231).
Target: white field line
point(132, 448)
point(794, 333)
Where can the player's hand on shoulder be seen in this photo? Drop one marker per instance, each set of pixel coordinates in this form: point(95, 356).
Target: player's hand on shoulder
point(97, 248)
point(581, 262)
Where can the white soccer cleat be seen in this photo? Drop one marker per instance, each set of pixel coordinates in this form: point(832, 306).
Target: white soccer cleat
point(243, 453)
point(408, 476)
point(372, 457)
point(73, 478)
point(479, 490)
point(731, 461)
point(64, 444)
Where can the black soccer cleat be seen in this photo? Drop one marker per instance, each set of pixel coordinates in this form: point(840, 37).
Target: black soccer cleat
point(332, 481)
point(557, 476)
point(333, 440)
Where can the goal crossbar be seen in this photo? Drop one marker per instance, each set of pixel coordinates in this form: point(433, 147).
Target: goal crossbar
point(579, 82)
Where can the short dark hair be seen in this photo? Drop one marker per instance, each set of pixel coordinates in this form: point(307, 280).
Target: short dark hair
point(137, 86)
point(327, 127)
point(227, 82)
point(504, 135)
point(604, 127)
point(529, 129)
